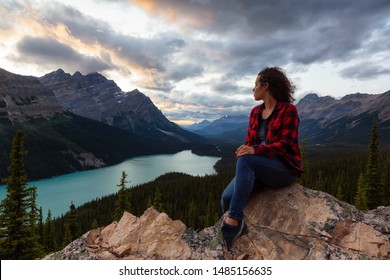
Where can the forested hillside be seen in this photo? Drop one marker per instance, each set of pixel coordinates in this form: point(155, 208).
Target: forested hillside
point(68, 143)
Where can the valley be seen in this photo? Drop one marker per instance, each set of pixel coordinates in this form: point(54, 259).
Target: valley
point(60, 141)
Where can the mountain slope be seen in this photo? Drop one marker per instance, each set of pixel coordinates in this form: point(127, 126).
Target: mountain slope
point(95, 97)
point(24, 97)
point(326, 120)
point(58, 141)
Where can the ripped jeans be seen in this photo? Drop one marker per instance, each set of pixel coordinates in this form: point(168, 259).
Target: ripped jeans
point(250, 169)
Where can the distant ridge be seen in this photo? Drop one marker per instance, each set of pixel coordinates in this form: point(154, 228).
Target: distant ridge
point(230, 129)
point(323, 121)
point(326, 120)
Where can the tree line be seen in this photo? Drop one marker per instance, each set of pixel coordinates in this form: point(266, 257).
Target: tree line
point(361, 177)
point(357, 175)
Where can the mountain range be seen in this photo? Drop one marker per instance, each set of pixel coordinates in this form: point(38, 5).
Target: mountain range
point(61, 141)
point(95, 97)
point(323, 120)
point(326, 120)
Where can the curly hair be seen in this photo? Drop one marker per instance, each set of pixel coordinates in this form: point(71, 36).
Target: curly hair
point(280, 87)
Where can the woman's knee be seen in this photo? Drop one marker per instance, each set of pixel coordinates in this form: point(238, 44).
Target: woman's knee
point(244, 162)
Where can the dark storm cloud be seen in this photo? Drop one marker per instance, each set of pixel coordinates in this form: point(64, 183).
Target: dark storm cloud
point(89, 30)
point(364, 72)
point(146, 53)
point(283, 31)
point(249, 35)
point(226, 87)
point(184, 71)
point(48, 51)
point(332, 37)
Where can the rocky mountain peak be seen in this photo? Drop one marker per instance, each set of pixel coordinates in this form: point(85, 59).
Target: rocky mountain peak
point(286, 223)
point(314, 99)
point(77, 74)
point(96, 77)
point(95, 97)
point(59, 72)
point(310, 97)
point(355, 96)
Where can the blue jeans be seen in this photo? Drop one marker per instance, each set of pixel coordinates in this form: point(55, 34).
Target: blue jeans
point(250, 169)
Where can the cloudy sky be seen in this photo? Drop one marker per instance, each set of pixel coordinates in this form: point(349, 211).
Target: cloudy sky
point(198, 59)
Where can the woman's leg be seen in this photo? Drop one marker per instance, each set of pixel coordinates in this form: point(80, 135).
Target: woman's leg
point(269, 171)
point(227, 196)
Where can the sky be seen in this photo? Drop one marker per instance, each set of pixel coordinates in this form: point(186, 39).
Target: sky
point(198, 59)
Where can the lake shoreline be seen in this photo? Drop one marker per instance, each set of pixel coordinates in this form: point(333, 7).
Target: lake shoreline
point(82, 186)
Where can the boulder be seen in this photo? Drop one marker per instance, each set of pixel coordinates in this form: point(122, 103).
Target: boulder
point(299, 223)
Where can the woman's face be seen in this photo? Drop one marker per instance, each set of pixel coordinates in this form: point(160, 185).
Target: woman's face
point(259, 89)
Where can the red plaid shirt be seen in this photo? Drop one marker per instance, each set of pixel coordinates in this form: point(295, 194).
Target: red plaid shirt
point(281, 134)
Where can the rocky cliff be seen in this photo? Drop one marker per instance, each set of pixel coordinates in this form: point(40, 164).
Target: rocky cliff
point(324, 108)
point(292, 223)
point(326, 120)
point(23, 97)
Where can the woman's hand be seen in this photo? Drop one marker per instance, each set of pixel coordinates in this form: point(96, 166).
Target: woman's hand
point(244, 151)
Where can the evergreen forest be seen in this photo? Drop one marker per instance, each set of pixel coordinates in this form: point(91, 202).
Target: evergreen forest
point(359, 175)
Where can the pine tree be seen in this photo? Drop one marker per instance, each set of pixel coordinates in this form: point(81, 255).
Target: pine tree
point(193, 215)
point(320, 182)
point(49, 236)
point(361, 196)
point(94, 224)
point(304, 179)
point(67, 235)
point(18, 233)
point(122, 202)
point(157, 201)
point(149, 202)
point(210, 215)
point(386, 183)
point(36, 248)
point(373, 176)
point(73, 222)
point(340, 195)
point(41, 227)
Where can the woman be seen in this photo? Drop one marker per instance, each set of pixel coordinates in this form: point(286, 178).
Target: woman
point(271, 154)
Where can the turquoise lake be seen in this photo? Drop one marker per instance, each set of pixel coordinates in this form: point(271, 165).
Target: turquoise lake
point(57, 193)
